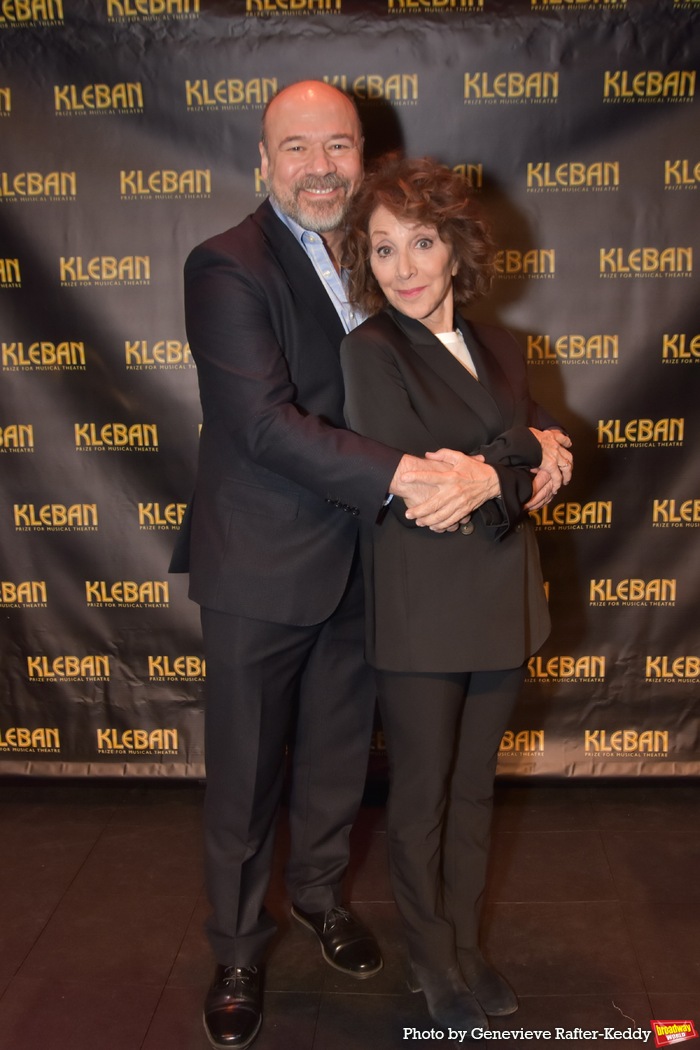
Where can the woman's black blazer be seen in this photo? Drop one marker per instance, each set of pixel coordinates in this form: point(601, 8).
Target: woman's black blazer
point(445, 602)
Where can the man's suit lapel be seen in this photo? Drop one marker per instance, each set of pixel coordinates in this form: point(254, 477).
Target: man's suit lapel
point(300, 273)
point(478, 394)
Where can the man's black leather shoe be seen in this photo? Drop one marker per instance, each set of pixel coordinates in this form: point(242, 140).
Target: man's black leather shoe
point(345, 943)
point(233, 1007)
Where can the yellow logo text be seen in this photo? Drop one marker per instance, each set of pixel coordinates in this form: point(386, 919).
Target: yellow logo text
point(573, 348)
point(19, 738)
point(66, 356)
point(676, 512)
point(56, 516)
point(511, 87)
point(17, 437)
point(18, 12)
point(85, 668)
point(597, 514)
point(647, 85)
point(116, 435)
point(639, 432)
point(626, 741)
point(633, 592)
point(127, 592)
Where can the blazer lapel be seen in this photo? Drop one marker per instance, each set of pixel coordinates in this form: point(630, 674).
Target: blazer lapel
point(491, 375)
point(476, 393)
point(300, 273)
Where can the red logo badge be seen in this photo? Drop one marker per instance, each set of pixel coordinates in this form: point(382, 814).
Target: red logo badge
point(670, 1033)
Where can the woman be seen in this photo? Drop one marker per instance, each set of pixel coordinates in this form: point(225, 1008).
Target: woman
point(451, 616)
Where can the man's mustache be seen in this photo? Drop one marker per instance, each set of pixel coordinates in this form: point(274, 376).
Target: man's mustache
point(332, 181)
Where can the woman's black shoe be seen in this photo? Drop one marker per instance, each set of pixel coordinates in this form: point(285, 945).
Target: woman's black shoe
point(450, 1002)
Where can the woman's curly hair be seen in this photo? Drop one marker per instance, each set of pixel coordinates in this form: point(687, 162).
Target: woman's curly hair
point(419, 192)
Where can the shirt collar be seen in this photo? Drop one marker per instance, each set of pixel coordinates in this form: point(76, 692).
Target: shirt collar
point(294, 227)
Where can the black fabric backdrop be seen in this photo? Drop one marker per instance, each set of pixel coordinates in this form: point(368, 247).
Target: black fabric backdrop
point(128, 133)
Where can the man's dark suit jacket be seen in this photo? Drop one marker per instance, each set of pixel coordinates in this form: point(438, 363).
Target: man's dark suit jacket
point(449, 602)
point(280, 483)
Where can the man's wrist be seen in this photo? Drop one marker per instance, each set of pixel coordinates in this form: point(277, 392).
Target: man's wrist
point(496, 492)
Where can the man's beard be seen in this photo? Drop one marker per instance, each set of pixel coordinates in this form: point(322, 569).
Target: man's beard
point(321, 216)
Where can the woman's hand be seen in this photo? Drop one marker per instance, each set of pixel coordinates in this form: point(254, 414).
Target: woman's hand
point(543, 490)
point(557, 462)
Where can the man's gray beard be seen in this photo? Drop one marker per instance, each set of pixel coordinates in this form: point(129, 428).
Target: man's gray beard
point(313, 220)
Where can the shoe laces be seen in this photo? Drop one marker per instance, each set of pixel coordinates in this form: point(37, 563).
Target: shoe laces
point(336, 917)
point(244, 974)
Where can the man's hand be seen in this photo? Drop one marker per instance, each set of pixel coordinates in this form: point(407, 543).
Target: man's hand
point(557, 460)
point(444, 488)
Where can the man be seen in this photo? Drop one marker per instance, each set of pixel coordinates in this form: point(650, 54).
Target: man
point(273, 551)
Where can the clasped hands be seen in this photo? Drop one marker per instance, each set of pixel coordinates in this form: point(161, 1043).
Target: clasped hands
point(444, 489)
point(555, 468)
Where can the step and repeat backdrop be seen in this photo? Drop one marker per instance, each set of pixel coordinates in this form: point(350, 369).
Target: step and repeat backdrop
point(128, 133)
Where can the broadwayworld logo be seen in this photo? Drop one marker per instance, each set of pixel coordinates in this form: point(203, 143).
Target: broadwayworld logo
point(17, 437)
point(646, 262)
point(597, 514)
point(671, 513)
point(573, 349)
point(56, 517)
point(651, 85)
point(632, 592)
point(229, 94)
point(71, 100)
point(573, 176)
point(36, 187)
point(23, 13)
point(540, 87)
point(100, 270)
point(641, 433)
point(671, 1033)
point(120, 437)
point(165, 185)
point(150, 10)
point(164, 354)
point(151, 594)
point(43, 357)
point(68, 668)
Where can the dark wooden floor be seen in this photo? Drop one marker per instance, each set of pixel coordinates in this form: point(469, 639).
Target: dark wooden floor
point(593, 914)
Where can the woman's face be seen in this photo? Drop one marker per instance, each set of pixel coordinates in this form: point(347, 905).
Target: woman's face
point(414, 269)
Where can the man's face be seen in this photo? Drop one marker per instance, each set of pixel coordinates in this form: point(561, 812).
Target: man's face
point(312, 156)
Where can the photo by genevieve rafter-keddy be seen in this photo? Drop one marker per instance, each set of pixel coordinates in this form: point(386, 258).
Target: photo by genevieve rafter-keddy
point(663, 1033)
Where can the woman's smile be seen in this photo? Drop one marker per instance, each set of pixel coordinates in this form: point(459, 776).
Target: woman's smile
point(414, 268)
